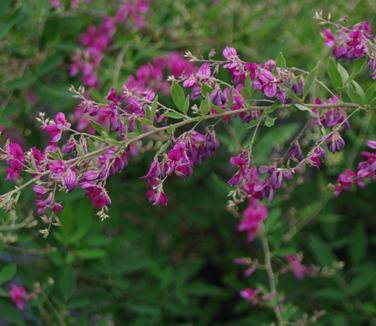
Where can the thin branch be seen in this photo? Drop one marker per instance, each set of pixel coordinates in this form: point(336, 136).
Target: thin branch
point(271, 276)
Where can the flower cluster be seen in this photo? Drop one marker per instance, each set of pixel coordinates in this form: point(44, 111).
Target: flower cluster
point(138, 91)
point(255, 183)
point(152, 76)
point(94, 42)
point(366, 170)
point(97, 38)
point(271, 80)
point(134, 9)
point(15, 158)
point(333, 119)
point(189, 149)
point(353, 43)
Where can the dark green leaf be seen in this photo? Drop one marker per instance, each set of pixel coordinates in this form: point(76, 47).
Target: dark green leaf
point(7, 272)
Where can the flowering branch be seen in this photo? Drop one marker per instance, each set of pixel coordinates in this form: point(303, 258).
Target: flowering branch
point(105, 135)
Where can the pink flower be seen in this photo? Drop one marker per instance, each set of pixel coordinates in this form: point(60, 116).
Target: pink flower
point(366, 170)
point(157, 196)
point(15, 158)
point(296, 266)
point(18, 295)
point(56, 128)
point(96, 194)
point(250, 295)
point(253, 216)
point(230, 53)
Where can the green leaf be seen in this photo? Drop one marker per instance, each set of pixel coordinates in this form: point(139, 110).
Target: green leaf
point(204, 106)
point(355, 92)
point(301, 107)
point(138, 127)
point(357, 67)
point(280, 60)
point(308, 81)
point(54, 155)
point(48, 65)
point(154, 106)
point(370, 95)
point(10, 313)
point(216, 108)
point(186, 105)
point(21, 83)
point(7, 273)
point(91, 253)
point(334, 74)
point(321, 250)
point(343, 72)
point(206, 89)
point(98, 128)
point(178, 96)
point(230, 100)
point(252, 123)
point(10, 20)
point(360, 282)
point(173, 115)
point(247, 91)
point(269, 122)
point(358, 245)
point(67, 282)
point(163, 148)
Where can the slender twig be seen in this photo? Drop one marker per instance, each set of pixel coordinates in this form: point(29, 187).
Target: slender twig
point(271, 276)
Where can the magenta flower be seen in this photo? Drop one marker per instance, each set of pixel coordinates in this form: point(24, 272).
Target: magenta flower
point(345, 181)
point(316, 156)
point(295, 152)
point(336, 142)
point(253, 216)
point(18, 295)
point(15, 157)
point(269, 83)
point(56, 128)
point(295, 263)
point(96, 194)
point(197, 79)
point(156, 196)
point(366, 170)
point(55, 3)
point(250, 295)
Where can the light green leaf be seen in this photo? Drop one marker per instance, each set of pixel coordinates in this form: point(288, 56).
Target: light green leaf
point(334, 74)
point(178, 96)
point(204, 106)
point(308, 81)
point(280, 61)
point(301, 107)
point(269, 122)
point(173, 115)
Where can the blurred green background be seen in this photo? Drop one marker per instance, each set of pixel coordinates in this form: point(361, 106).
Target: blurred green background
point(174, 265)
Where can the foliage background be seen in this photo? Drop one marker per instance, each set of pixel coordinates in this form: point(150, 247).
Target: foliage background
point(173, 266)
